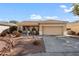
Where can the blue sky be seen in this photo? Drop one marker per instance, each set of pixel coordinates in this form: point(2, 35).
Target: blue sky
point(36, 11)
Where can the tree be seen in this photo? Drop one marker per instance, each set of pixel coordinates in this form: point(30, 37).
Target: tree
point(75, 10)
point(13, 21)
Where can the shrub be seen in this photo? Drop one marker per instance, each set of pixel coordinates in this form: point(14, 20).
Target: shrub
point(78, 33)
point(20, 31)
point(68, 29)
point(3, 34)
point(16, 33)
point(12, 29)
point(71, 32)
point(37, 42)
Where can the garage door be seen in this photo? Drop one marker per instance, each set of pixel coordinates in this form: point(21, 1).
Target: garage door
point(52, 30)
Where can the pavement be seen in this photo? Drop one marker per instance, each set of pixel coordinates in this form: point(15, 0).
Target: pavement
point(59, 46)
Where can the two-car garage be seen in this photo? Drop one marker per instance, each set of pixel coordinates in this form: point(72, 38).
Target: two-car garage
point(53, 27)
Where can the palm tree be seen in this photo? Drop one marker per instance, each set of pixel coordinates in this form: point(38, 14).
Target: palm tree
point(75, 10)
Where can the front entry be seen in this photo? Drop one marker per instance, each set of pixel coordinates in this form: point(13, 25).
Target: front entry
point(30, 30)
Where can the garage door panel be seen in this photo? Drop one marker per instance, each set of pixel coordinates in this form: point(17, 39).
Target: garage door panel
point(52, 30)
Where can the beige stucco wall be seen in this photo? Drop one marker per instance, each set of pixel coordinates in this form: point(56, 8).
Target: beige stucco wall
point(73, 26)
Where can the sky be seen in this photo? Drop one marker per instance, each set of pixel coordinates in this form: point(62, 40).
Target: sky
point(36, 11)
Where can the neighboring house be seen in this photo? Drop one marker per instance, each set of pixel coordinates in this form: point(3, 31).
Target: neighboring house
point(49, 27)
point(5, 25)
point(74, 26)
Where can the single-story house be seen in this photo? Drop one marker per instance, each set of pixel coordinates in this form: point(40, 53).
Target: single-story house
point(48, 27)
point(5, 25)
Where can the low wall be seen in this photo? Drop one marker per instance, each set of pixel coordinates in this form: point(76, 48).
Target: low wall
point(2, 28)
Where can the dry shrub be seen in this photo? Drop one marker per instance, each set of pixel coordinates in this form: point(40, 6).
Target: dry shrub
point(10, 43)
point(16, 33)
point(6, 46)
point(36, 42)
point(71, 32)
point(3, 34)
point(12, 29)
point(78, 33)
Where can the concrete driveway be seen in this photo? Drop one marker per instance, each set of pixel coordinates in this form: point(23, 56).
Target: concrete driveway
point(60, 46)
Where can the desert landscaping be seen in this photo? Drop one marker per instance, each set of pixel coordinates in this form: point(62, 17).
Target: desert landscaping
point(12, 45)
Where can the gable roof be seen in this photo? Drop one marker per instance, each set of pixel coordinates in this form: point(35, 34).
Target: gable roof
point(7, 24)
point(53, 21)
point(29, 23)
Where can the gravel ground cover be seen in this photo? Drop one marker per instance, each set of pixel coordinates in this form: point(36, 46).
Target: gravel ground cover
point(19, 46)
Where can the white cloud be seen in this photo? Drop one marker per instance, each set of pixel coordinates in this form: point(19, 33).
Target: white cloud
point(68, 10)
point(63, 6)
point(51, 17)
point(72, 19)
point(34, 16)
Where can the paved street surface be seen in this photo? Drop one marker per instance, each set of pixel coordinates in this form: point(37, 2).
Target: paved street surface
point(59, 46)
